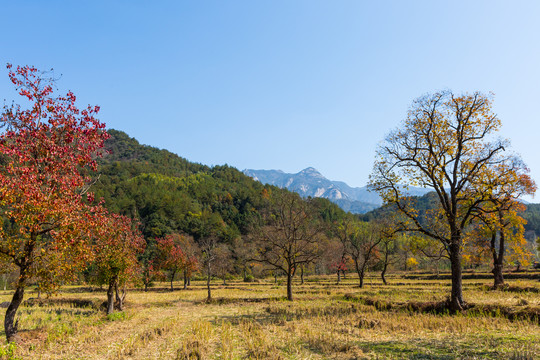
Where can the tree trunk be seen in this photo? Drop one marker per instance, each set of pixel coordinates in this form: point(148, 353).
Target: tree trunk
point(173, 273)
point(110, 294)
point(16, 300)
point(338, 278)
point(302, 275)
point(360, 273)
point(119, 303)
point(209, 298)
point(361, 270)
point(456, 296)
point(344, 274)
point(10, 326)
point(289, 286)
point(145, 286)
point(185, 279)
point(383, 272)
point(385, 265)
point(498, 280)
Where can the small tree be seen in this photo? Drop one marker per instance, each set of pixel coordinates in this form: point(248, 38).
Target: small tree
point(388, 232)
point(362, 242)
point(46, 151)
point(499, 232)
point(208, 249)
point(150, 265)
point(244, 252)
point(117, 245)
point(289, 235)
point(173, 258)
point(192, 253)
point(223, 261)
point(387, 251)
point(335, 257)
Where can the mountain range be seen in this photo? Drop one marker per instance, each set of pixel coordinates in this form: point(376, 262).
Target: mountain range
point(310, 182)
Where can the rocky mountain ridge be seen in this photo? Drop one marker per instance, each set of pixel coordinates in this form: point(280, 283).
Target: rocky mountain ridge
point(310, 182)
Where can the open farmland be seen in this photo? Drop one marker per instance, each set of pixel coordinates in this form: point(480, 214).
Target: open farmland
point(254, 321)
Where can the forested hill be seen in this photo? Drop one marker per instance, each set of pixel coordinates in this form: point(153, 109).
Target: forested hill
point(142, 158)
point(168, 193)
point(429, 201)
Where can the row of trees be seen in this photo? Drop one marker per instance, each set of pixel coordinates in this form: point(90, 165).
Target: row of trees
point(54, 229)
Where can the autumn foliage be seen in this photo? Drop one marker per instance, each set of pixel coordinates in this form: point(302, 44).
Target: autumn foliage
point(447, 144)
point(47, 151)
point(175, 255)
point(117, 244)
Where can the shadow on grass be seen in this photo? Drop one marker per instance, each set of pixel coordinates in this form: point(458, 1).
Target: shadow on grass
point(62, 311)
point(226, 301)
point(419, 351)
point(78, 303)
point(442, 308)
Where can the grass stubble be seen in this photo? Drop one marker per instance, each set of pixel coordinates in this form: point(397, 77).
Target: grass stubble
point(253, 321)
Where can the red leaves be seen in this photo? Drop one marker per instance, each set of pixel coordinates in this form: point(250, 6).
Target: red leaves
point(117, 244)
point(172, 255)
point(176, 253)
point(49, 150)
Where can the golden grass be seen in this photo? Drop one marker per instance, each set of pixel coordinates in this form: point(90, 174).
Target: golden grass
point(253, 321)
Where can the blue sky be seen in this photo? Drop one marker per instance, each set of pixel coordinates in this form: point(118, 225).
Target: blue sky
point(281, 84)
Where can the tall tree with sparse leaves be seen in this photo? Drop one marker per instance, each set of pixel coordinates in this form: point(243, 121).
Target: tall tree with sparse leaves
point(446, 144)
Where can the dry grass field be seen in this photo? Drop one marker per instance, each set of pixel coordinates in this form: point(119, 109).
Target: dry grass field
point(253, 321)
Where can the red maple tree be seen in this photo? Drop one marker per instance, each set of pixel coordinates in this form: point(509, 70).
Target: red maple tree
point(47, 151)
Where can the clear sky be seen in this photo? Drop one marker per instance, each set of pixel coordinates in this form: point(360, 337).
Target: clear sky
point(281, 84)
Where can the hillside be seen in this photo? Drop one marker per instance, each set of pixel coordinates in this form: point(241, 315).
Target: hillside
point(429, 201)
point(168, 193)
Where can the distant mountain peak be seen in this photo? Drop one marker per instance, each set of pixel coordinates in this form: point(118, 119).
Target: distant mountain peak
point(310, 182)
point(310, 170)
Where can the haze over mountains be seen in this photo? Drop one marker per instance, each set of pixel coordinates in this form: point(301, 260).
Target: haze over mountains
point(310, 182)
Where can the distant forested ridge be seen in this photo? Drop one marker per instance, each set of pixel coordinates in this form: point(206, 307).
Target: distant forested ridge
point(429, 201)
point(168, 193)
point(532, 215)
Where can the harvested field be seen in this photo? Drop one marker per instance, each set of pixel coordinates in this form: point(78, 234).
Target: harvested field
point(405, 319)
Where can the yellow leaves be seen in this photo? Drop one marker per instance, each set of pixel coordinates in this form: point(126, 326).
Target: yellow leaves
point(412, 263)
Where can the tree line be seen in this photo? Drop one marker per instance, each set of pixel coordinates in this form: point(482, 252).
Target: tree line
point(81, 203)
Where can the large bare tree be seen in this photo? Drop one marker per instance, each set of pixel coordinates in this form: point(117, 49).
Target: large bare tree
point(447, 144)
point(289, 235)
